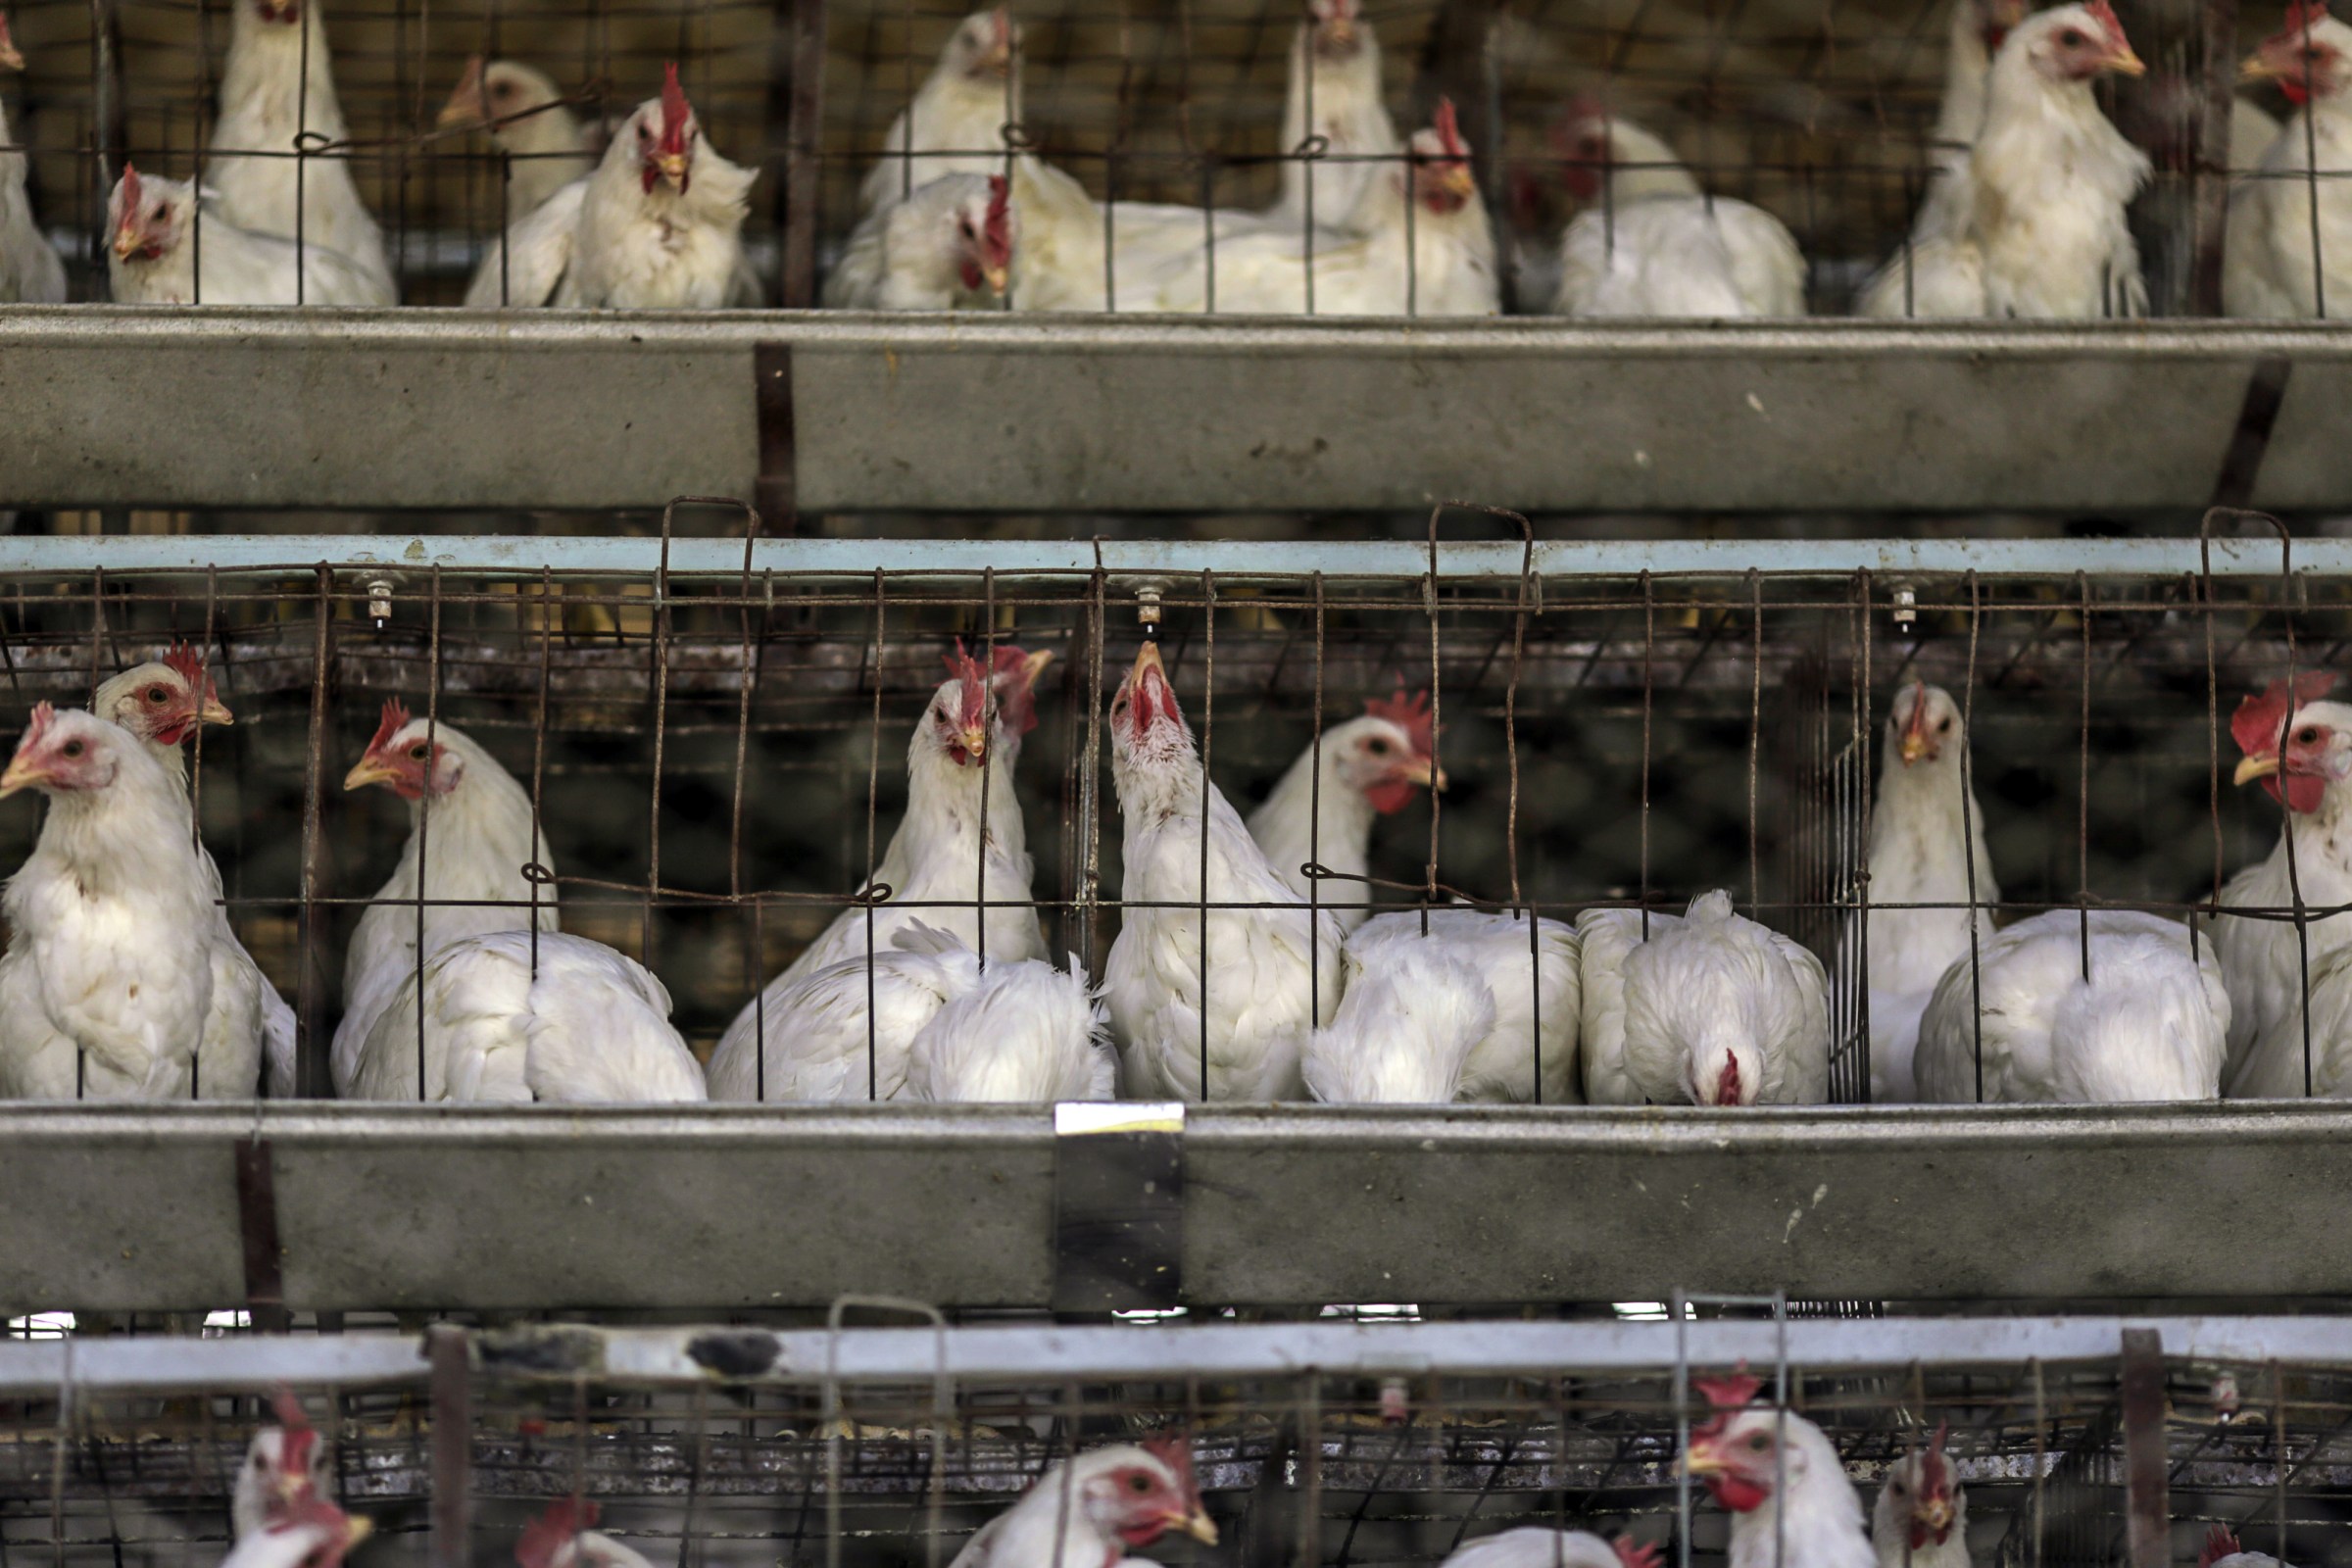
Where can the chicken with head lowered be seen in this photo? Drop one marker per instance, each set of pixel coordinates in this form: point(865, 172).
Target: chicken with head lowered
point(1269, 966)
point(948, 247)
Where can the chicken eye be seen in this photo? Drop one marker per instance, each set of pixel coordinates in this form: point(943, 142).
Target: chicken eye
point(2071, 38)
point(1945, 728)
point(156, 694)
point(1138, 1482)
point(71, 748)
point(2308, 737)
point(418, 752)
point(1377, 747)
point(1759, 1441)
point(1900, 1490)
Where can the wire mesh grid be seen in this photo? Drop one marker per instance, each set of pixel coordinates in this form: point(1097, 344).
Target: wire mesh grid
point(704, 1462)
point(714, 758)
point(1824, 114)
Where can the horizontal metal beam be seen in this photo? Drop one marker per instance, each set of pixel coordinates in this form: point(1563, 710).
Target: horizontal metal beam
point(422, 1207)
point(1161, 560)
point(443, 409)
point(1166, 1350)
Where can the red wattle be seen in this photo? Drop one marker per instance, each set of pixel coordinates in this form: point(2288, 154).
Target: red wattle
point(1736, 1493)
point(2297, 92)
point(2303, 791)
point(1390, 799)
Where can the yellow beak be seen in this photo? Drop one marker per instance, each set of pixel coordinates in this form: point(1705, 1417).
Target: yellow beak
point(128, 240)
point(1036, 665)
point(1147, 659)
point(2254, 767)
point(1459, 181)
point(1339, 29)
point(10, 56)
point(2128, 64)
point(1424, 772)
point(215, 712)
point(20, 775)
point(359, 1529)
point(369, 769)
point(1704, 1462)
point(673, 167)
point(1197, 1525)
point(464, 107)
point(1914, 747)
point(1937, 1514)
point(2254, 67)
point(996, 278)
point(975, 744)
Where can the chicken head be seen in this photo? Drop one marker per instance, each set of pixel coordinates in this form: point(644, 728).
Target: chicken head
point(10, 59)
point(2318, 745)
point(164, 701)
point(402, 757)
point(1923, 1486)
point(2307, 56)
point(984, 45)
point(63, 753)
point(146, 217)
point(1140, 1503)
point(984, 238)
point(1337, 24)
point(2076, 42)
point(338, 1533)
point(552, 1537)
point(1394, 756)
point(1737, 1452)
point(1441, 163)
point(1146, 724)
point(665, 152)
point(1921, 722)
point(1579, 140)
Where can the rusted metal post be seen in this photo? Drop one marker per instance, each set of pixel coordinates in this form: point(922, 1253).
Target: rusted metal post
point(800, 38)
point(109, 121)
point(452, 1387)
point(2179, 114)
point(310, 1077)
point(2148, 1486)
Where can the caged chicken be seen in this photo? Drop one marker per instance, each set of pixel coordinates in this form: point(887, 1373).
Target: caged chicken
point(1921, 1517)
point(1420, 245)
point(948, 247)
point(1781, 1480)
point(565, 1536)
point(843, 1030)
point(544, 145)
point(163, 704)
point(2222, 1549)
point(283, 1460)
point(2151, 1020)
point(1709, 1008)
point(277, 92)
point(1536, 1546)
point(493, 1013)
point(1334, 98)
point(2270, 268)
point(1096, 1509)
point(2037, 226)
point(1322, 808)
point(1979, 27)
point(1269, 966)
point(1649, 242)
point(106, 981)
point(939, 865)
point(657, 225)
point(32, 272)
point(2301, 751)
point(1024, 1033)
point(171, 249)
point(305, 1532)
point(1926, 847)
point(956, 124)
point(1449, 999)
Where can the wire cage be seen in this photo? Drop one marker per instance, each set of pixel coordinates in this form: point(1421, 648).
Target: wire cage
point(712, 733)
point(893, 1446)
point(1822, 114)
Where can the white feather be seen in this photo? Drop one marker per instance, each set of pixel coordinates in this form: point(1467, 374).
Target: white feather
point(1499, 1063)
point(831, 1034)
point(1025, 1032)
point(32, 272)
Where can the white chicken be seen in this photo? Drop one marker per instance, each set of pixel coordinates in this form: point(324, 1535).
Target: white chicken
point(565, 1537)
point(1420, 245)
point(2222, 1549)
point(1649, 242)
point(1926, 832)
point(32, 272)
point(465, 853)
point(948, 247)
point(1024, 1033)
point(1781, 1479)
point(1322, 808)
point(277, 92)
point(2268, 269)
point(1710, 1009)
point(1096, 1509)
point(1536, 1546)
point(2263, 958)
point(833, 1033)
point(545, 145)
point(938, 866)
point(2151, 1022)
point(1333, 97)
point(1482, 1026)
point(2036, 228)
point(659, 225)
point(1270, 967)
point(1979, 27)
point(307, 1533)
point(283, 1461)
point(159, 257)
point(956, 124)
point(497, 1013)
point(1921, 1517)
point(107, 980)
point(163, 704)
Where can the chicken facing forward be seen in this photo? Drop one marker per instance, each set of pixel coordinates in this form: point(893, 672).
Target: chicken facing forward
point(2272, 232)
point(1927, 841)
point(1354, 773)
point(1649, 242)
point(284, 1461)
point(32, 272)
point(956, 124)
point(2299, 746)
point(307, 1533)
point(277, 92)
point(171, 248)
point(1333, 97)
point(948, 247)
point(1710, 1009)
point(1270, 967)
point(659, 225)
point(2037, 227)
point(1921, 1517)
point(109, 966)
point(545, 145)
point(1096, 1509)
point(1781, 1479)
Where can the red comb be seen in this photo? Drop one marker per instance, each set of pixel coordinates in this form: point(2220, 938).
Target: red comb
point(2104, 14)
point(395, 720)
point(1175, 1450)
point(675, 109)
point(43, 716)
point(184, 662)
point(996, 234)
point(1934, 1476)
point(1450, 131)
point(470, 79)
point(2258, 720)
point(965, 668)
point(2301, 16)
point(1735, 1392)
point(2220, 1542)
point(554, 1530)
point(131, 190)
point(1634, 1554)
point(1409, 715)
